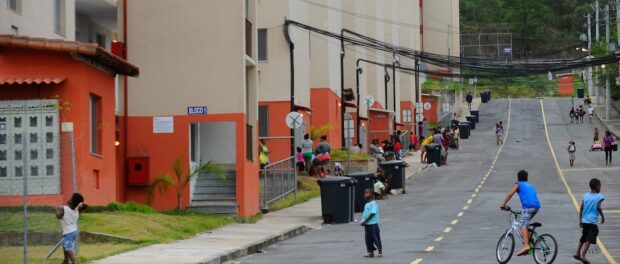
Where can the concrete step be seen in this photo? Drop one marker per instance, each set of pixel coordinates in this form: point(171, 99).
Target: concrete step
point(215, 190)
point(221, 207)
point(213, 196)
point(216, 183)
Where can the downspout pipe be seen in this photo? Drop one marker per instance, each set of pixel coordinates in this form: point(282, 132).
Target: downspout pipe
point(291, 46)
point(125, 99)
point(342, 106)
point(358, 71)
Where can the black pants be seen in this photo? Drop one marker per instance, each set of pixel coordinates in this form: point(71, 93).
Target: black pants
point(373, 238)
point(608, 151)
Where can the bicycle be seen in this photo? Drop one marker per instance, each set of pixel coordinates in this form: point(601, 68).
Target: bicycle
point(544, 248)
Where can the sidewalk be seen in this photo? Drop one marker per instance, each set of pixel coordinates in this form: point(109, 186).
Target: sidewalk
point(613, 124)
point(475, 105)
point(237, 240)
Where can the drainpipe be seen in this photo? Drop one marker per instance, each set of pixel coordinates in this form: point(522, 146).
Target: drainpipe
point(342, 107)
point(358, 71)
point(291, 46)
point(387, 80)
point(125, 100)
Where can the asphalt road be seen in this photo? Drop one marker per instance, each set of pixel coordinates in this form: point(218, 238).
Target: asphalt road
point(451, 214)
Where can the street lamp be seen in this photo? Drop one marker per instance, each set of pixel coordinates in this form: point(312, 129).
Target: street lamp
point(395, 63)
point(358, 71)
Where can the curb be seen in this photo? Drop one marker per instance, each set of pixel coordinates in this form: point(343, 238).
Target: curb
point(257, 246)
point(423, 167)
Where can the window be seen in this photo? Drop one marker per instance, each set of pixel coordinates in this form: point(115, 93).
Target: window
point(262, 44)
point(3, 172)
point(59, 16)
point(14, 30)
point(33, 121)
point(14, 5)
point(101, 40)
point(95, 124)
point(263, 121)
point(249, 146)
point(49, 154)
point(49, 121)
point(407, 116)
point(49, 137)
point(33, 138)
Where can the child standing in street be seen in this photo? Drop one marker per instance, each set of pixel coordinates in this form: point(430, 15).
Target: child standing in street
point(370, 222)
point(571, 152)
point(588, 219)
point(68, 216)
point(301, 162)
point(529, 207)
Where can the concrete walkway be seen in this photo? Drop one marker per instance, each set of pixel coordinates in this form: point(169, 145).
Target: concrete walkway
point(237, 240)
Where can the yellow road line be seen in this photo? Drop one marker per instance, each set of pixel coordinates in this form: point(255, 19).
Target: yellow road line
point(429, 249)
point(438, 239)
point(477, 190)
point(611, 211)
point(568, 189)
point(460, 214)
point(447, 230)
point(473, 195)
point(454, 222)
point(469, 201)
point(417, 261)
point(591, 169)
point(465, 207)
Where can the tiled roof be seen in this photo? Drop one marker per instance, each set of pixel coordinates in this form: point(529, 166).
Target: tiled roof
point(7, 80)
point(90, 50)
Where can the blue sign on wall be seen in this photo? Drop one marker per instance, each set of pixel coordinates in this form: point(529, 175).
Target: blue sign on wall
point(196, 110)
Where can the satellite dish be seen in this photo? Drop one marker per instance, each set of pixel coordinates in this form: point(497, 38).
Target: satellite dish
point(294, 120)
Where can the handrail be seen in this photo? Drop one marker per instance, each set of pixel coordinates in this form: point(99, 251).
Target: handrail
point(277, 180)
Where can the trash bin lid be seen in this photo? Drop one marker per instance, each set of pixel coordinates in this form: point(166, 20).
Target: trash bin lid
point(465, 123)
point(392, 162)
point(361, 174)
point(336, 180)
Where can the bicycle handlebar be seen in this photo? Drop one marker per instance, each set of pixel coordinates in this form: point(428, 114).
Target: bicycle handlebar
point(508, 209)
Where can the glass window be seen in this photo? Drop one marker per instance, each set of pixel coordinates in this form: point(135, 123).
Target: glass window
point(18, 171)
point(17, 122)
point(49, 153)
point(49, 137)
point(33, 138)
point(3, 155)
point(95, 124)
point(59, 16)
point(3, 172)
point(33, 121)
point(2, 139)
point(34, 170)
point(263, 121)
point(18, 155)
point(262, 44)
point(49, 170)
point(34, 154)
point(18, 138)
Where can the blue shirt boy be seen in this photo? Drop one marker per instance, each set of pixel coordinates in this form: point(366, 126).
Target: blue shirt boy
point(590, 207)
point(371, 208)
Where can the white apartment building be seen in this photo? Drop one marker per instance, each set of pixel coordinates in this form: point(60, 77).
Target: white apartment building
point(92, 21)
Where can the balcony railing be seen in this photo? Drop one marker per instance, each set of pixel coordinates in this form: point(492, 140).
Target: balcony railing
point(248, 38)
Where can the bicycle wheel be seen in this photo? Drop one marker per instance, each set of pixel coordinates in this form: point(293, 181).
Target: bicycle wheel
point(545, 249)
point(505, 248)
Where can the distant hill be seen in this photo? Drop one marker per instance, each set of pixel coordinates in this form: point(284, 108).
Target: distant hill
point(541, 28)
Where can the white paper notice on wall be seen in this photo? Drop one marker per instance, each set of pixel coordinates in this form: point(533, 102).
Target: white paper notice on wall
point(163, 124)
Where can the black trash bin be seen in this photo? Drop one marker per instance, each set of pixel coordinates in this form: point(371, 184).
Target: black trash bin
point(472, 122)
point(396, 169)
point(365, 180)
point(464, 130)
point(337, 197)
point(488, 96)
point(483, 97)
point(580, 93)
point(475, 113)
point(433, 154)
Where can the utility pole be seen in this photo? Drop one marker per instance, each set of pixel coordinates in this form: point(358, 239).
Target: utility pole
point(596, 21)
point(607, 37)
point(607, 97)
point(590, 32)
point(618, 20)
point(589, 53)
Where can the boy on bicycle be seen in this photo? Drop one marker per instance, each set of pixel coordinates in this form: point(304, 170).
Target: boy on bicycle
point(529, 207)
point(588, 219)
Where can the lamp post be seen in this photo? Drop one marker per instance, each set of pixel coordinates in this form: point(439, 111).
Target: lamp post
point(607, 92)
point(395, 63)
point(358, 71)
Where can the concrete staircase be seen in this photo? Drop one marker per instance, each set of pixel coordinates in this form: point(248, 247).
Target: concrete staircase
point(215, 195)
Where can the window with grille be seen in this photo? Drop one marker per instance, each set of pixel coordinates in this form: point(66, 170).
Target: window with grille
point(263, 121)
point(14, 5)
point(407, 116)
point(95, 124)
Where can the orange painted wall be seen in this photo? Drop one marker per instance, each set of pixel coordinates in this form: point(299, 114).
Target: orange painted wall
point(379, 122)
point(163, 149)
point(280, 148)
point(81, 80)
point(325, 110)
point(431, 114)
point(566, 85)
point(408, 105)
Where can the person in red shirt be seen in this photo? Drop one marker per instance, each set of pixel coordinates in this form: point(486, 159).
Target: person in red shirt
point(397, 148)
point(413, 142)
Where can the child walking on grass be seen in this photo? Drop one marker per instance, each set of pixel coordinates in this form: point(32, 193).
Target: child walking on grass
point(588, 219)
point(370, 222)
point(68, 216)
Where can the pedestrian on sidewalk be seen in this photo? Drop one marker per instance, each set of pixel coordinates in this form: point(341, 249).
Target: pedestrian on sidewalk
point(590, 113)
point(530, 204)
point(469, 98)
point(572, 115)
point(591, 208)
point(263, 155)
point(69, 216)
point(370, 222)
point(306, 146)
point(596, 138)
point(397, 148)
point(608, 142)
point(571, 152)
point(301, 163)
point(413, 142)
point(454, 120)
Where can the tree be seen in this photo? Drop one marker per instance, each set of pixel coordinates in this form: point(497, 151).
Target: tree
point(163, 182)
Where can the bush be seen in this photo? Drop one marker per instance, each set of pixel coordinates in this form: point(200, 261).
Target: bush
point(121, 207)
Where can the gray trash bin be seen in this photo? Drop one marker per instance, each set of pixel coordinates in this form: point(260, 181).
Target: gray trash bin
point(337, 196)
point(475, 113)
point(396, 169)
point(365, 180)
point(464, 130)
point(472, 122)
point(433, 154)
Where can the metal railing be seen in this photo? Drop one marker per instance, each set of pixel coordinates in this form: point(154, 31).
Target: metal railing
point(404, 141)
point(277, 180)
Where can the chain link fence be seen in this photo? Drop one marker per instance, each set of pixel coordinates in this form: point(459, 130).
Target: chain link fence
point(37, 173)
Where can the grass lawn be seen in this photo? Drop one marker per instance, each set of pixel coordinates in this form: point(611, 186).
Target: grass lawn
point(141, 227)
point(307, 188)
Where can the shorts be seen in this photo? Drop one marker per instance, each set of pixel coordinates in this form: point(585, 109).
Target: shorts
point(443, 152)
point(301, 165)
point(68, 240)
point(589, 233)
point(526, 216)
point(571, 155)
point(307, 155)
